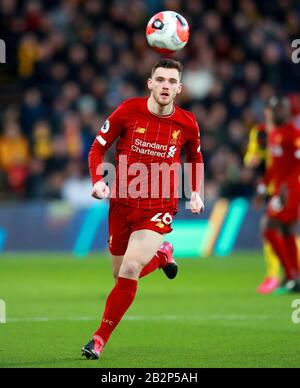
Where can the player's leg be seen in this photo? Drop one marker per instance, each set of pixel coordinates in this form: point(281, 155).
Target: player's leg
point(141, 248)
point(289, 218)
point(161, 223)
point(121, 219)
point(272, 262)
point(272, 279)
point(118, 241)
point(116, 265)
point(119, 235)
point(163, 259)
point(292, 254)
point(271, 232)
point(283, 215)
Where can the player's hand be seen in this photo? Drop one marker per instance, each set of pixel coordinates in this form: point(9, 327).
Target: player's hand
point(279, 201)
point(100, 190)
point(276, 204)
point(197, 205)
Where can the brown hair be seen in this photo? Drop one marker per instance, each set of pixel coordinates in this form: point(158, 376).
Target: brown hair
point(168, 64)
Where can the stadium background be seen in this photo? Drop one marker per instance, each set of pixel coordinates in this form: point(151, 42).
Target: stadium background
point(69, 64)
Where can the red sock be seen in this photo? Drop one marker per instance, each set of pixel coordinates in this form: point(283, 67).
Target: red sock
point(151, 266)
point(280, 248)
point(118, 302)
point(293, 254)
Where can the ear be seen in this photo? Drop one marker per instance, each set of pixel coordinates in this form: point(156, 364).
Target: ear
point(150, 83)
point(179, 88)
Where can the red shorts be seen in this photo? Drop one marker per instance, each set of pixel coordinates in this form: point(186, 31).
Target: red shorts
point(287, 213)
point(124, 220)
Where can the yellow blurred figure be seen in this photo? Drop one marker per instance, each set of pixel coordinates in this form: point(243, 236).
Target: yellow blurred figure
point(14, 158)
point(256, 153)
point(42, 142)
point(28, 55)
point(14, 148)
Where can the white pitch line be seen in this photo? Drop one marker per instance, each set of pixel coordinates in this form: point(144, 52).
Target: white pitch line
point(149, 318)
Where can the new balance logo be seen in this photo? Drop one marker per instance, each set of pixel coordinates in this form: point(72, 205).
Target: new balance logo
point(141, 130)
point(2, 51)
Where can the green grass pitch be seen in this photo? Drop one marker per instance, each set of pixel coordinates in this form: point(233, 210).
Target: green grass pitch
point(210, 316)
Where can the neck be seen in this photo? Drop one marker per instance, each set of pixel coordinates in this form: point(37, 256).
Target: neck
point(157, 109)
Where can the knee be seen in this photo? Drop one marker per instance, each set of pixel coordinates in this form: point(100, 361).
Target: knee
point(130, 269)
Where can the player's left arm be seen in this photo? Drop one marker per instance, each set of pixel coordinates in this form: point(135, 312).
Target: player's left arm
point(292, 146)
point(194, 159)
point(291, 182)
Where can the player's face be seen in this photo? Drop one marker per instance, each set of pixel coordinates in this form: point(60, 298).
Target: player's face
point(165, 85)
point(279, 111)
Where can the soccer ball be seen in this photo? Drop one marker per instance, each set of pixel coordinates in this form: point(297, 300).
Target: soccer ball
point(167, 32)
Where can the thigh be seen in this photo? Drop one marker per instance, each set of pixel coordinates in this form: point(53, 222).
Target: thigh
point(119, 232)
point(142, 246)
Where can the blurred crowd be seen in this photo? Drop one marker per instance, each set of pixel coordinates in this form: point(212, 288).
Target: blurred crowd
point(71, 62)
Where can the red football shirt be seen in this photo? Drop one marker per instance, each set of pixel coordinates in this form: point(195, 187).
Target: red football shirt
point(284, 147)
point(145, 142)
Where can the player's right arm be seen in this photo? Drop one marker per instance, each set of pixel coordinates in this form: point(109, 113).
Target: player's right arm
point(291, 181)
point(110, 131)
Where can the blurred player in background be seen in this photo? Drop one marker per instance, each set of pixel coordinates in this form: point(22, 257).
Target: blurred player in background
point(150, 130)
point(257, 158)
point(284, 176)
